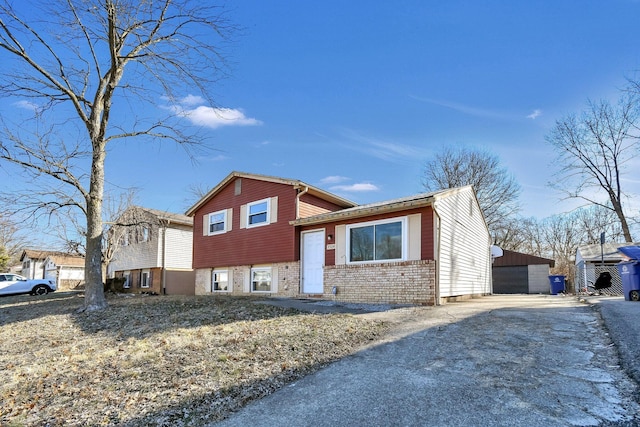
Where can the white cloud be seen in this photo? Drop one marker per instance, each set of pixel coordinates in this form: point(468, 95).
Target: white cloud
point(191, 100)
point(192, 108)
point(26, 105)
point(536, 113)
point(381, 149)
point(356, 188)
point(334, 179)
point(218, 117)
point(463, 108)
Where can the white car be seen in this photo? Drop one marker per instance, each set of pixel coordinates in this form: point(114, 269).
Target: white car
point(11, 284)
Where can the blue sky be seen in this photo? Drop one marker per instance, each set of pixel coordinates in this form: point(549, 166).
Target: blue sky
point(355, 96)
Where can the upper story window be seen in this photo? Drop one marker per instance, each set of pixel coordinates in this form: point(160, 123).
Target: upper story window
point(383, 240)
point(217, 222)
point(258, 213)
point(145, 234)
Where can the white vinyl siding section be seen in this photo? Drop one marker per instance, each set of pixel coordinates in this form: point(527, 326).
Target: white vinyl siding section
point(179, 243)
point(464, 262)
point(137, 255)
point(179, 250)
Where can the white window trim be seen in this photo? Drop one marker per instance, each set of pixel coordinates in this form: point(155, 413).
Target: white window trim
point(224, 223)
point(405, 240)
point(270, 270)
point(268, 216)
point(213, 275)
point(148, 284)
point(127, 280)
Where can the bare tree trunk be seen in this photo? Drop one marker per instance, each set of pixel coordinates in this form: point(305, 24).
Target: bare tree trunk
point(94, 298)
point(617, 207)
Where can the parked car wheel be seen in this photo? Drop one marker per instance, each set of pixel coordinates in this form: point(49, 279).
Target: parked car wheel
point(40, 290)
point(634, 295)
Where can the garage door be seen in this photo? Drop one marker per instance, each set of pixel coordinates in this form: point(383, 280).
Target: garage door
point(511, 280)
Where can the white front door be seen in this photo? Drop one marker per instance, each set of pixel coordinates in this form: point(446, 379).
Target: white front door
point(312, 262)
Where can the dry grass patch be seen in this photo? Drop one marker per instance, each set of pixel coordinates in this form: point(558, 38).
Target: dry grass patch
point(157, 360)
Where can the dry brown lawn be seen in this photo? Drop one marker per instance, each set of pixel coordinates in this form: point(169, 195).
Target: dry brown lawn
point(157, 360)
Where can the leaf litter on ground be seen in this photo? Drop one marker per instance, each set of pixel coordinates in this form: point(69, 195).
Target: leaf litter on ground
point(158, 360)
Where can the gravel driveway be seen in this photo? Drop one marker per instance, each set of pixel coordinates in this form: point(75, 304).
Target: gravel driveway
point(517, 360)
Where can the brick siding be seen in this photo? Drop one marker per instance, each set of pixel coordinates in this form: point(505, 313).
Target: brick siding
point(408, 282)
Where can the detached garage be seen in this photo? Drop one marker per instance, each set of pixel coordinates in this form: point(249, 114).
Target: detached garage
point(518, 273)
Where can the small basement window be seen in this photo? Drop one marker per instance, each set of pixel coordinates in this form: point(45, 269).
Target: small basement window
point(261, 279)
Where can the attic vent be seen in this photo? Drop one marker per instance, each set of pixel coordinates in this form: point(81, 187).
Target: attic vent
point(238, 186)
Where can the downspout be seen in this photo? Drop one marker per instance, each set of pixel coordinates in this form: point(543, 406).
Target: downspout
point(164, 253)
point(298, 196)
point(436, 251)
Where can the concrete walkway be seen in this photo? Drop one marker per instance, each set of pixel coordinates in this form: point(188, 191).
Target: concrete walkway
point(496, 361)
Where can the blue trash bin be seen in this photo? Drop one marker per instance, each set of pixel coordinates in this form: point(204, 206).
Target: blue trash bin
point(557, 284)
point(630, 275)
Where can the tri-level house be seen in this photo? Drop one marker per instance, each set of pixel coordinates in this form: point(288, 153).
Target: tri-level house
point(151, 252)
point(263, 235)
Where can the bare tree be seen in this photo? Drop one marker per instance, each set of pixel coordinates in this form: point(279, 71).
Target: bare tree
point(593, 148)
point(12, 241)
point(496, 189)
point(90, 68)
point(594, 220)
point(562, 235)
point(521, 235)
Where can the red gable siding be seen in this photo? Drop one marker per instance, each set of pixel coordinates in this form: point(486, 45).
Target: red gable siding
point(427, 242)
point(271, 243)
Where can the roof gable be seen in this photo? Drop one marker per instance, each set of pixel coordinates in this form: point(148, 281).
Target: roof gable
point(606, 252)
point(400, 204)
point(325, 195)
point(36, 254)
point(512, 258)
point(67, 260)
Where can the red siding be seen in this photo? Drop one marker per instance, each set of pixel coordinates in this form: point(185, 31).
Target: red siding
point(427, 243)
point(428, 247)
point(271, 243)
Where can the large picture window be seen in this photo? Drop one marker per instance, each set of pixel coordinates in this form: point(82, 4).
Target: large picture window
point(261, 279)
point(376, 241)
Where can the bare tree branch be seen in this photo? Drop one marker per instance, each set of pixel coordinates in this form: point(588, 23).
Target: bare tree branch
point(79, 60)
point(496, 189)
point(593, 149)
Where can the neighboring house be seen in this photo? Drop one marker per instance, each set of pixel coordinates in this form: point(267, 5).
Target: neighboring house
point(519, 273)
point(255, 234)
point(66, 270)
point(591, 260)
point(33, 262)
point(154, 253)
